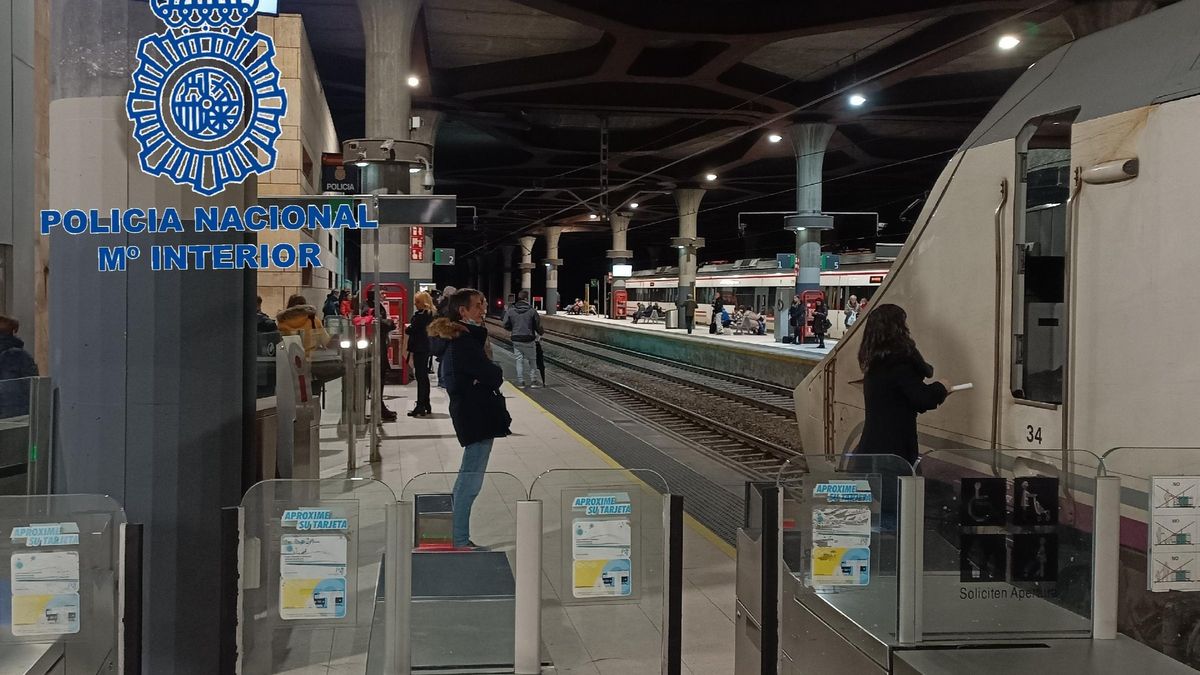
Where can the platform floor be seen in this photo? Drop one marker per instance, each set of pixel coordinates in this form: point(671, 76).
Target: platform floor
point(765, 343)
point(605, 640)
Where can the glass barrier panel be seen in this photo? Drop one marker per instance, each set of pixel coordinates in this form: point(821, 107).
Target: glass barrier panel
point(312, 565)
point(603, 543)
point(1008, 543)
point(25, 424)
point(59, 583)
point(840, 536)
point(1160, 547)
point(463, 540)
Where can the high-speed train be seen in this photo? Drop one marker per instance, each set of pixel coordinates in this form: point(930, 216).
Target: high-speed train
point(760, 284)
point(1050, 267)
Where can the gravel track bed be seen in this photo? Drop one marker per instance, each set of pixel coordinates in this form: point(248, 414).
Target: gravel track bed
point(752, 420)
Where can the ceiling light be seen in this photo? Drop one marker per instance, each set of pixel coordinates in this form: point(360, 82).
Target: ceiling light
point(362, 164)
point(1007, 42)
point(414, 81)
point(414, 169)
point(592, 216)
point(710, 177)
point(633, 205)
point(857, 100)
point(774, 138)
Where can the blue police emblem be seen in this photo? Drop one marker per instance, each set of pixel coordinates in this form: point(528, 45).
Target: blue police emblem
point(206, 103)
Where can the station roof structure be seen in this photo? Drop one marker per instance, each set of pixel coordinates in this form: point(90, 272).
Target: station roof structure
point(688, 88)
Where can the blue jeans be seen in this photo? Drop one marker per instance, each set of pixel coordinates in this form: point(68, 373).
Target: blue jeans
point(526, 358)
point(467, 486)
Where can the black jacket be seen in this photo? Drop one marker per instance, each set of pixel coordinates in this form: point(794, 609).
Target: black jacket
point(417, 331)
point(894, 393)
point(477, 408)
point(820, 316)
point(797, 315)
point(332, 306)
point(16, 364)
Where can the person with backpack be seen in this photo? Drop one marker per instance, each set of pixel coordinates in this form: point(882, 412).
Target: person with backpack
point(477, 407)
point(332, 306)
point(524, 324)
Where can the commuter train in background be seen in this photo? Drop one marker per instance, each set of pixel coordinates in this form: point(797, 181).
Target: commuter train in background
point(1046, 269)
point(759, 283)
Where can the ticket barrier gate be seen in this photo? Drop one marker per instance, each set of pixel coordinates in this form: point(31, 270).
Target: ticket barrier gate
point(26, 429)
point(334, 571)
point(298, 411)
point(70, 586)
point(974, 561)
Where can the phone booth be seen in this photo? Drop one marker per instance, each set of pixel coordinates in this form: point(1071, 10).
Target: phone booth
point(394, 299)
point(619, 298)
point(809, 299)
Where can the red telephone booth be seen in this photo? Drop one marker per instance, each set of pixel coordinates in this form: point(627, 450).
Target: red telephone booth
point(809, 299)
point(394, 299)
point(619, 297)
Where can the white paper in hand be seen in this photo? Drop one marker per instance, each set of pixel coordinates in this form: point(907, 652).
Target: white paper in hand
point(963, 387)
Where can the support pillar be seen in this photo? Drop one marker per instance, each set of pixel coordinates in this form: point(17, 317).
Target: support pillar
point(153, 403)
point(552, 261)
point(809, 141)
point(619, 255)
point(687, 200)
point(506, 268)
point(527, 265)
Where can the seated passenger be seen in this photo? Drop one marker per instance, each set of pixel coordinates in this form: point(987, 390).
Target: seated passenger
point(637, 314)
point(762, 321)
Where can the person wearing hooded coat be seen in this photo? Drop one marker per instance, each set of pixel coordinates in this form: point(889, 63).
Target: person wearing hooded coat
point(477, 407)
point(437, 346)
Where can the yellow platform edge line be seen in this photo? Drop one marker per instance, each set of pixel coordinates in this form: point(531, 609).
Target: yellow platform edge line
point(691, 522)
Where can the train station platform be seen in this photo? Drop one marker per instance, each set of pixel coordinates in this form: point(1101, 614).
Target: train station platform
point(422, 455)
point(754, 356)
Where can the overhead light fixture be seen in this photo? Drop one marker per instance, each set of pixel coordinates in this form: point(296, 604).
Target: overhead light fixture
point(362, 164)
point(857, 100)
point(710, 177)
point(414, 81)
point(414, 169)
point(1007, 42)
point(634, 205)
point(592, 216)
point(774, 138)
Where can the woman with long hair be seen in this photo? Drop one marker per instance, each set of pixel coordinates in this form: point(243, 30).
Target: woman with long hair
point(418, 350)
point(894, 388)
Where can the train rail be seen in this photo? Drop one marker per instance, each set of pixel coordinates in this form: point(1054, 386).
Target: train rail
point(757, 457)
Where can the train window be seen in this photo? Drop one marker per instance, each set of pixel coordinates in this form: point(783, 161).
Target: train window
point(1039, 262)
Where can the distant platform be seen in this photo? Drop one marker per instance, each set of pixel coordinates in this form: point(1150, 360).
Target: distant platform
point(755, 356)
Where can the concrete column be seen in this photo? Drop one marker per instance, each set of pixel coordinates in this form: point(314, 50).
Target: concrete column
point(619, 255)
point(552, 261)
point(152, 396)
point(387, 29)
point(506, 267)
point(809, 141)
point(527, 264)
point(687, 200)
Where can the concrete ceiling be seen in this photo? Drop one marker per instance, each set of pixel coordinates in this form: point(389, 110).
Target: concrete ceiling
point(687, 87)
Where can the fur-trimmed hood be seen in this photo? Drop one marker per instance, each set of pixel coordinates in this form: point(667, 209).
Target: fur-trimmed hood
point(295, 318)
point(446, 329)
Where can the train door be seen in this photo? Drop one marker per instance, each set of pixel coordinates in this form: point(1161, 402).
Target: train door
point(1040, 272)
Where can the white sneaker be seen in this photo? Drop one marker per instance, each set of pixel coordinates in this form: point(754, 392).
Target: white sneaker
point(536, 385)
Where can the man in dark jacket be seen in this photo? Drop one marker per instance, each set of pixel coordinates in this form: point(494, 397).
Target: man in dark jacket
point(797, 318)
point(688, 307)
point(522, 320)
point(15, 365)
point(476, 406)
point(332, 305)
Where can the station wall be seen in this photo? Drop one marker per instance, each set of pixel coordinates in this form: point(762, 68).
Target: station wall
point(17, 166)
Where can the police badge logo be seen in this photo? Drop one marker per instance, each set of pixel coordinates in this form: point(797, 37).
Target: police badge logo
point(206, 103)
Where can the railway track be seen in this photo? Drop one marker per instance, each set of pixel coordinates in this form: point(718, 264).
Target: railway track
point(750, 454)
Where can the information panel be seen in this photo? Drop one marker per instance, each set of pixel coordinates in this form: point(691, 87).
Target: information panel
point(313, 565)
point(1174, 547)
point(602, 535)
point(841, 527)
point(45, 580)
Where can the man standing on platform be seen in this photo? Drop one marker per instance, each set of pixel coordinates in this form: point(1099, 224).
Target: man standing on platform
point(523, 322)
point(689, 313)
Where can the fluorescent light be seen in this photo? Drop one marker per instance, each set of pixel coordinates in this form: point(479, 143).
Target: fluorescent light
point(710, 177)
point(1007, 42)
point(414, 81)
point(857, 100)
point(622, 270)
point(774, 138)
point(633, 205)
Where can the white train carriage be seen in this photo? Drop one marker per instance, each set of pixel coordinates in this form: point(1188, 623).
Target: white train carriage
point(1028, 273)
point(758, 283)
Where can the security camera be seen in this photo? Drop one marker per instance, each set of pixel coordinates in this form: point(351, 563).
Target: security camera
point(427, 180)
point(386, 146)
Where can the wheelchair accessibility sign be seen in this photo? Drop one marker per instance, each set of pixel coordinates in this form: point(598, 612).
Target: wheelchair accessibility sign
point(206, 103)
